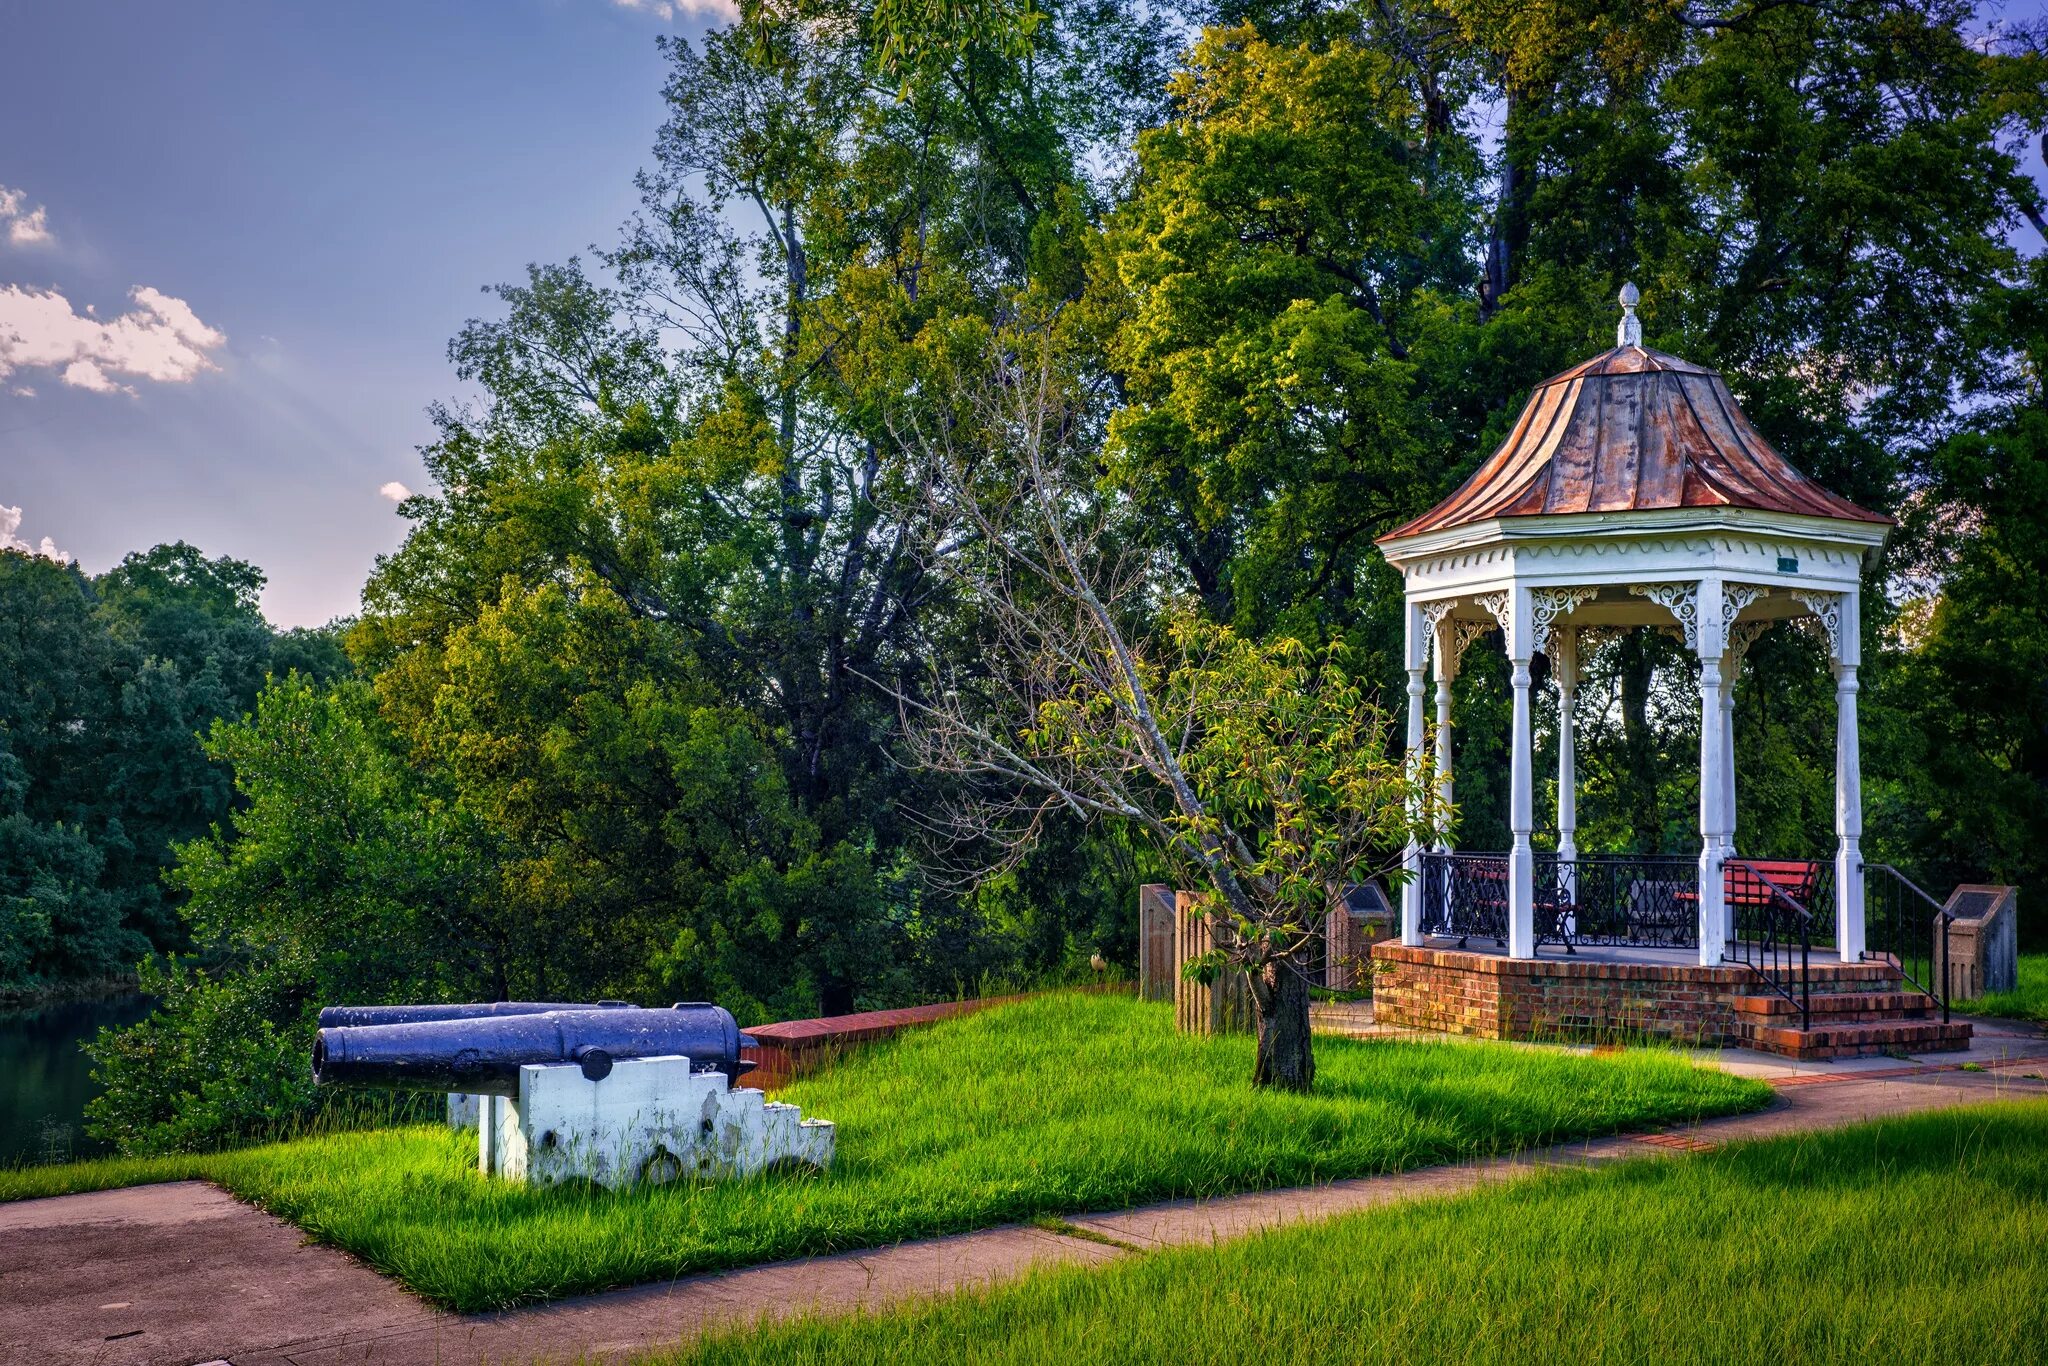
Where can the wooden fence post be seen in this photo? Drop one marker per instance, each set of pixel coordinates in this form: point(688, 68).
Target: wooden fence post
point(1224, 1006)
point(1158, 968)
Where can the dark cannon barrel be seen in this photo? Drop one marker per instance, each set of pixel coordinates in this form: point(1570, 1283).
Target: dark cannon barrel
point(482, 1055)
point(335, 1017)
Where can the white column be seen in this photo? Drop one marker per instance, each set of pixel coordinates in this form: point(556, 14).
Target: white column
point(1446, 674)
point(1411, 859)
point(1734, 671)
point(1713, 754)
point(1848, 784)
point(1565, 658)
point(1521, 804)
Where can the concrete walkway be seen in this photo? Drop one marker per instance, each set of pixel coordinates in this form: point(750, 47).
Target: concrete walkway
point(181, 1273)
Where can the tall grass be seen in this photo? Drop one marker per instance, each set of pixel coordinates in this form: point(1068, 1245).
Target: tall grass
point(1061, 1103)
point(2027, 1001)
point(1915, 1239)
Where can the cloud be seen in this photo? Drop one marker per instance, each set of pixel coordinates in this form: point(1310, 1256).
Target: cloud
point(683, 9)
point(395, 491)
point(26, 227)
point(10, 522)
point(160, 339)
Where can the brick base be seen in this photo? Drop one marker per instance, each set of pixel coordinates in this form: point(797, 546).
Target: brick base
point(1491, 997)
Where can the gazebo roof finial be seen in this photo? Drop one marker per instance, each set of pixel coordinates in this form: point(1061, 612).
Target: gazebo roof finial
point(1630, 330)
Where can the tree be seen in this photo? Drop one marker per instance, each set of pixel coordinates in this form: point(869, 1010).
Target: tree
point(1266, 299)
point(104, 686)
point(1966, 709)
point(699, 442)
point(1262, 768)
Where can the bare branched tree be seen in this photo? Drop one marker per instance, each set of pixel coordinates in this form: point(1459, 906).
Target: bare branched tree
point(1261, 769)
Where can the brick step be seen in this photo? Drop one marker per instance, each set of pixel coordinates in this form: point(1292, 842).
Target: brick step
point(1883, 979)
point(1835, 1005)
point(1859, 1040)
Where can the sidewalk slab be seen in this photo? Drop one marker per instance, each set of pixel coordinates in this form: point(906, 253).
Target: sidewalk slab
point(177, 1273)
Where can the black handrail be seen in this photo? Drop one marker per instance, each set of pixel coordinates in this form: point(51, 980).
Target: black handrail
point(1895, 932)
point(1772, 944)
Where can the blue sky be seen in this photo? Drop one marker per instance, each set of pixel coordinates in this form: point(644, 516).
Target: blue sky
point(242, 233)
point(325, 187)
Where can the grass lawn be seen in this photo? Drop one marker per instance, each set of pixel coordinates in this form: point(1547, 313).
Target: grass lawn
point(2027, 1001)
point(1057, 1104)
point(1915, 1239)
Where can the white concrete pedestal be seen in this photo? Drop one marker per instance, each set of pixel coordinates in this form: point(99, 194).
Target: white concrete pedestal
point(651, 1120)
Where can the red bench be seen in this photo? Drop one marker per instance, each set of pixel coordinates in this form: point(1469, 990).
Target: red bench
point(1744, 882)
point(1749, 882)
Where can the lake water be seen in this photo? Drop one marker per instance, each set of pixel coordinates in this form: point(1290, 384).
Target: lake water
point(45, 1078)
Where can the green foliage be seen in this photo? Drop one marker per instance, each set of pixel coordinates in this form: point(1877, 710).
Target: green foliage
point(209, 1065)
point(1263, 294)
point(1961, 699)
point(105, 685)
point(1291, 758)
point(1022, 1128)
point(2026, 1001)
point(1925, 1234)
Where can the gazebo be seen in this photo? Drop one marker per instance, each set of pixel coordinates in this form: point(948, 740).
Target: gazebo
point(1632, 494)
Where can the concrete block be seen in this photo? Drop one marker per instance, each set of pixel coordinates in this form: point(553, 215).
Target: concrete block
point(651, 1120)
point(464, 1111)
point(1983, 941)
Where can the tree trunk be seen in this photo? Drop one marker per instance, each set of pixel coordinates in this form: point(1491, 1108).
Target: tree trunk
point(1286, 1058)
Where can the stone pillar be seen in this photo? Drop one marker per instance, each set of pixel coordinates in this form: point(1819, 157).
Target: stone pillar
point(1224, 1006)
point(1521, 798)
point(1411, 858)
point(1157, 966)
point(1711, 641)
point(1848, 636)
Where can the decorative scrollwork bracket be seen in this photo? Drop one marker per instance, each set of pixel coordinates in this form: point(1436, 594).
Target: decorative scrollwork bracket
point(1825, 618)
point(1682, 600)
point(1546, 605)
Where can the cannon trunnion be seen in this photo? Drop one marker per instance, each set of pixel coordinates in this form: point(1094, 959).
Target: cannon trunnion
point(481, 1053)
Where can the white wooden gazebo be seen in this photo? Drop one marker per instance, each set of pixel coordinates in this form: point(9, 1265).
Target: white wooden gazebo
point(1633, 494)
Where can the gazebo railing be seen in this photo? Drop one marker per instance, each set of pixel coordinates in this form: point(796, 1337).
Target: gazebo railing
point(1774, 927)
point(1643, 901)
point(1465, 896)
point(1631, 900)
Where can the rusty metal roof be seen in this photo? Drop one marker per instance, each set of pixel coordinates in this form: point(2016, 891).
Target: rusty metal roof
point(1632, 430)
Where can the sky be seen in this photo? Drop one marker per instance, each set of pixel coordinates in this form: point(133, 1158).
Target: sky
point(236, 236)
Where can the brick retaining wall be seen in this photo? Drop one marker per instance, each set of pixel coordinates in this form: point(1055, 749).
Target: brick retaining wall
point(1492, 997)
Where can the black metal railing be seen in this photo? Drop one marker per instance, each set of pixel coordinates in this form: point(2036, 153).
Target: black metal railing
point(1644, 901)
point(1908, 928)
point(1465, 896)
point(1773, 926)
point(1636, 900)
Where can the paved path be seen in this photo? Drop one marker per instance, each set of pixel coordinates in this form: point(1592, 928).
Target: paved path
point(181, 1273)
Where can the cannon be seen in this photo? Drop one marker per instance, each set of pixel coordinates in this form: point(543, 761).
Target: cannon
point(334, 1017)
point(482, 1054)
